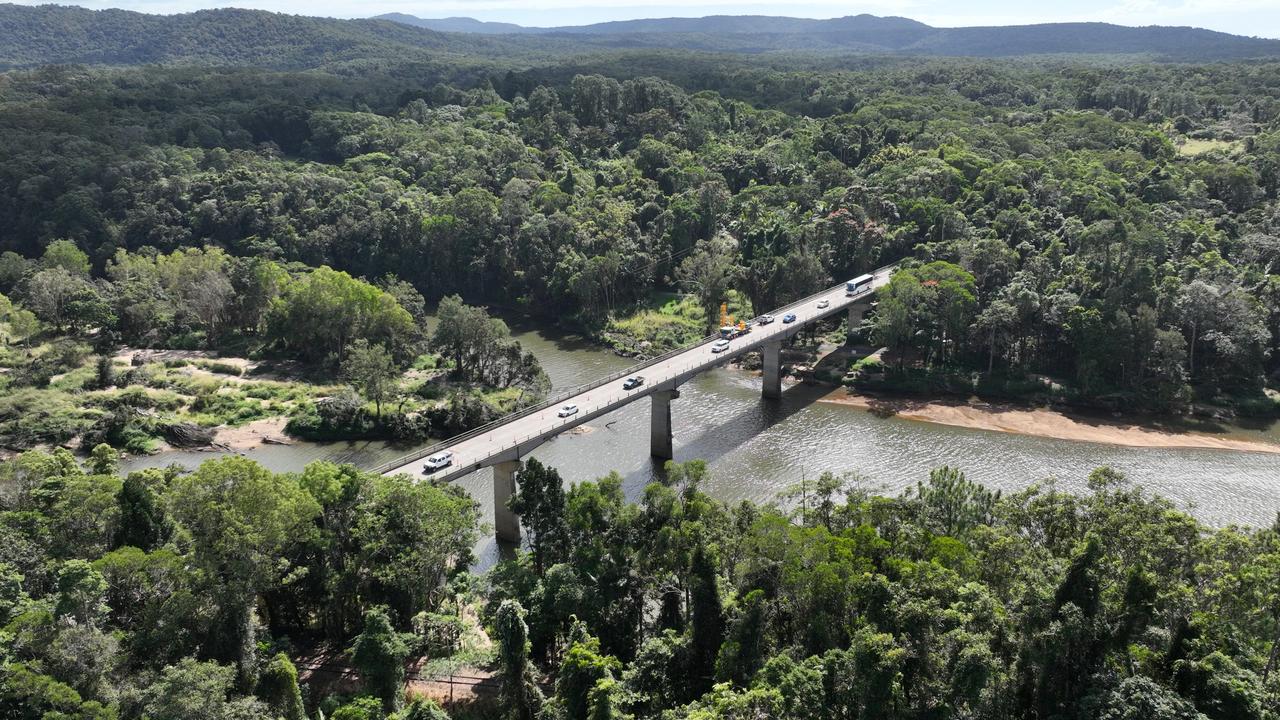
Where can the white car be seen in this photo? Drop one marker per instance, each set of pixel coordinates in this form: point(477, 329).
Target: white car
point(442, 459)
point(568, 410)
point(719, 346)
point(824, 303)
point(764, 319)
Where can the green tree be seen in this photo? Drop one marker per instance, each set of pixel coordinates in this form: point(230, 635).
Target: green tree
point(379, 653)
point(372, 371)
point(745, 648)
point(200, 279)
point(321, 313)
point(64, 254)
point(412, 537)
point(24, 324)
point(103, 460)
point(951, 504)
point(241, 518)
point(540, 503)
point(708, 273)
point(423, 709)
point(64, 300)
point(191, 690)
point(361, 708)
point(143, 523)
point(81, 593)
point(278, 689)
point(706, 618)
point(522, 699)
point(1140, 698)
point(603, 701)
point(481, 347)
point(581, 668)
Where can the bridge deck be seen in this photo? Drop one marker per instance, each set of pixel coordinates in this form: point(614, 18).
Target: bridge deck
point(513, 438)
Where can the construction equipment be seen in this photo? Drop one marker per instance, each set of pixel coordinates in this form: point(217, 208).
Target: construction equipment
point(729, 328)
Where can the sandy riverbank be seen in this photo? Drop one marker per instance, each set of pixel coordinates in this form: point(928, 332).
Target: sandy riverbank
point(253, 434)
point(1042, 422)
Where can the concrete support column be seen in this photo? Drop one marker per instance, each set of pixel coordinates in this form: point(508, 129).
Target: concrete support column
point(506, 524)
point(660, 440)
point(772, 357)
point(856, 314)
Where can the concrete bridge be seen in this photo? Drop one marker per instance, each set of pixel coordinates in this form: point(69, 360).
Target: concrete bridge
point(502, 443)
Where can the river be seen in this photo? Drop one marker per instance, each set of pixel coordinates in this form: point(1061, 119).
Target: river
point(756, 449)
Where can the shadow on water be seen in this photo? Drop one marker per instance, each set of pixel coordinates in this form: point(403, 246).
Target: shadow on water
point(564, 340)
point(734, 432)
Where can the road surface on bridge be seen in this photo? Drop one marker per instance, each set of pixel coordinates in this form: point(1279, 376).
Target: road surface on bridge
point(512, 438)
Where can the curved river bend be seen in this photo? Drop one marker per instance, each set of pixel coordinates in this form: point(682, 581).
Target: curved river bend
point(756, 449)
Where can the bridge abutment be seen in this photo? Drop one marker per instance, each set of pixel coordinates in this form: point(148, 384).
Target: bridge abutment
point(506, 524)
point(771, 355)
point(661, 444)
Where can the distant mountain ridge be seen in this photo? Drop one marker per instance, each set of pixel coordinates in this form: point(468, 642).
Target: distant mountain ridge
point(460, 24)
point(58, 34)
point(870, 33)
point(51, 34)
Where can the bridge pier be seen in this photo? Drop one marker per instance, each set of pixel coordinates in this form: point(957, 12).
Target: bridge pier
point(661, 444)
point(771, 354)
point(506, 524)
point(857, 312)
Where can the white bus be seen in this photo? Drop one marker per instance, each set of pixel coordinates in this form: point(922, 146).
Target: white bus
point(858, 284)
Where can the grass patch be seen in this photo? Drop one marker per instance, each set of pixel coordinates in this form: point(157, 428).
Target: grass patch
point(220, 368)
point(504, 400)
point(867, 364)
point(668, 321)
point(30, 417)
point(428, 361)
point(1198, 146)
point(77, 379)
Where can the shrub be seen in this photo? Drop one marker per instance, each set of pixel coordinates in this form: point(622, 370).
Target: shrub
point(341, 416)
point(221, 368)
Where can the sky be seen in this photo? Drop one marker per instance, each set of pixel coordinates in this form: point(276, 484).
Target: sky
point(1243, 17)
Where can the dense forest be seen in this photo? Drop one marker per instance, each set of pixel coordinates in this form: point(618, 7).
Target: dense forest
point(166, 595)
point(1086, 234)
point(324, 237)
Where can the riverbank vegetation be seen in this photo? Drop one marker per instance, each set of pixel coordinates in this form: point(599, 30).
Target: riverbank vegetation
point(318, 347)
point(204, 593)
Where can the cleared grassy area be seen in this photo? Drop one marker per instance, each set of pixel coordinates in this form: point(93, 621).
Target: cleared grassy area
point(666, 322)
point(60, 393)
point(1196, 146)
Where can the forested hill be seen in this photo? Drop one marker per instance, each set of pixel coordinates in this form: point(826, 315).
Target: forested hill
point(460, 24)
point(59, 34)
point(51, 34)
point(868, 33)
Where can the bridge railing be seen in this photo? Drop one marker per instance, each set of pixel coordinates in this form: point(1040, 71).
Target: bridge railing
point(562, 396)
